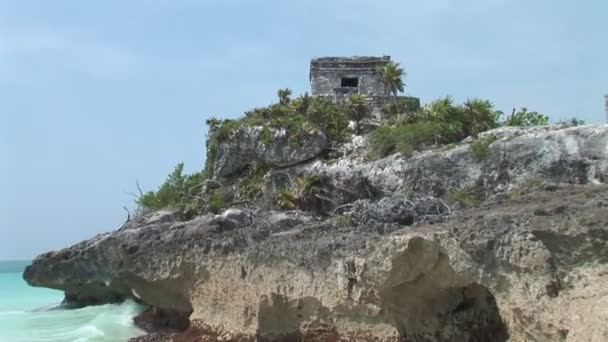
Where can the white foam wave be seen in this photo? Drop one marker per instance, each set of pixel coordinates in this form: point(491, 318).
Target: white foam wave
point(103, 323)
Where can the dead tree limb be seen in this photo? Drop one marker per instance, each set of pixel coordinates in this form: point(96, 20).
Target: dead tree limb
point(128, 214)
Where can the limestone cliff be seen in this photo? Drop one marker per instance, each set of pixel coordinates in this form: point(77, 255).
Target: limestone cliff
point(383, 257)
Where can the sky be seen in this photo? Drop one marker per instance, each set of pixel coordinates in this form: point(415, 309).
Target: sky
point(96, 96)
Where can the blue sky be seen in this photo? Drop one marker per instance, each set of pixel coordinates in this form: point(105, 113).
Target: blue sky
point(97, 95)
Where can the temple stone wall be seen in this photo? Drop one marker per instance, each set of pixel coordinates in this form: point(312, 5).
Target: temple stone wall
point(327, 74)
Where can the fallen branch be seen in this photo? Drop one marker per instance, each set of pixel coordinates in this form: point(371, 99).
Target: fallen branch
point(340, 207)
point(128, 214)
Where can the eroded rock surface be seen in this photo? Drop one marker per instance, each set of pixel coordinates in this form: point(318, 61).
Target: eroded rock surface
point(245, 146)
point(548, 153)
point(530, 266)
point(389, 261)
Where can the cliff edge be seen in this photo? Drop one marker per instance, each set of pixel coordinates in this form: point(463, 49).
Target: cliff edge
point(443, 245)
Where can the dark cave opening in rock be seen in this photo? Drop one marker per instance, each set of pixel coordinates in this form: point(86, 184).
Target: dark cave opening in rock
point(468, 314)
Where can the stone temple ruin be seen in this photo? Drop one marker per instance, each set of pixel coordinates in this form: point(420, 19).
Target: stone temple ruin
point(341, 77)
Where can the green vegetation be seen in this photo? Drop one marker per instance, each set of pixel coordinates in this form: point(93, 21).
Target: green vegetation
point(343, 220)
point(526, 186)
point(298, 116)
point(284, 96)
point(266, 136)
point(284, 199)
point(571, 122)
point(403, 105)
point(441, 122)
point(382, 141)
point(217, 203)
point(525, 118)
point(465, 197)
point(304, 194)
point(307, 190)
point(357, 109)
point(392, 75)
point(251, 187)
point(480, 148)
point(408, 127)
point(179, 191)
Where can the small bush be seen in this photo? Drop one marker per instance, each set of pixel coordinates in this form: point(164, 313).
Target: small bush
point(266, 136)
point(403, 105)
point(465, 197)
point(329, 117)
point(225, 129)
point(526, 186)
point(307, 189)
point(252, 186)
point(409, 138)
point(344, 221)
point(571, 122)
point(404, 138)
point(284, 199)
point(525, 118)
point(480, 148)
point(217, 203)
point(381, 142)
point(178, 191)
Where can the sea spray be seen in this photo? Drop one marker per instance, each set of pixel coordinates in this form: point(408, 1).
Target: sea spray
point(31, 314)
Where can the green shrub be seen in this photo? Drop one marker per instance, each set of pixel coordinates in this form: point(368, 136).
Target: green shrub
point(178, 191)
point(440, 122)
point(266, 136)
point(476, 116)
point(381, 142)
point(251, 187)
point(571, 122)
point(329, 117)
point(344, 221)
point(301, 114)
point(403, 105)
point(480, 148)
point(217, 203)
point(409, 138)
point(526, 186)
point(225, 129)
point(404, 138)
point(525, 118)
point(284, 199)
point(464, 196)
point(307, 189)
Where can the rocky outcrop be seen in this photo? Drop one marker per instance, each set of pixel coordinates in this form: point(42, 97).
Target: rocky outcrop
point(518, 155)
point(399, 210)
point(530, 266)
point(389, 261)
point(244, 147)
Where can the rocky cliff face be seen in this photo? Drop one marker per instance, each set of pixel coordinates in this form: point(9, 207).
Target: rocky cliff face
point(399, 264)
point(244, 147)
point(517, 155)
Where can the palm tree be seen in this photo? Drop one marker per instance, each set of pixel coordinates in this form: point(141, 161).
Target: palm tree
point(357, 109)
point(447, 115)
point(478, 116)
point(284, 96)
point(392, 76)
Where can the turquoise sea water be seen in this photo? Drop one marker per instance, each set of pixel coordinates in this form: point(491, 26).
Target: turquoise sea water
point(30, 314)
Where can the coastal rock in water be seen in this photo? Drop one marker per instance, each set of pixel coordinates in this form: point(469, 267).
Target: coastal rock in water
point(529, 263)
